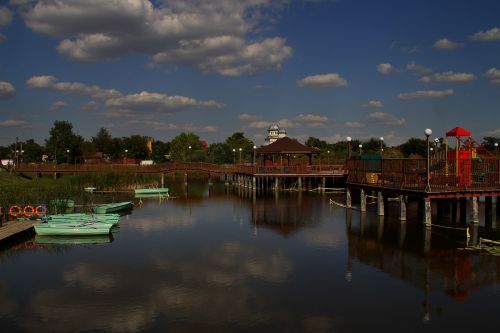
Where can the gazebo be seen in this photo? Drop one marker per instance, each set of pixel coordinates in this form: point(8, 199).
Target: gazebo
point(280, 151)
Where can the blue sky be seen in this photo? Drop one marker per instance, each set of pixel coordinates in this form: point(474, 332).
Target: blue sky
point(327, 69)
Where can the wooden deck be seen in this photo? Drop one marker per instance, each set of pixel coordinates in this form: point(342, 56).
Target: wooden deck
point(10, 229)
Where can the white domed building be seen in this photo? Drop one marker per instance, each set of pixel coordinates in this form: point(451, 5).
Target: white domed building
point(274, 133)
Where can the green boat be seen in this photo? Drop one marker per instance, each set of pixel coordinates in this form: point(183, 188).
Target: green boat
point(151, 191)
point(72, 229)
point(74, 240)
point(82, 218)
point(112, 207)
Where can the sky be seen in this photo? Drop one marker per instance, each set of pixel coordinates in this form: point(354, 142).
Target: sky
point(322, 68)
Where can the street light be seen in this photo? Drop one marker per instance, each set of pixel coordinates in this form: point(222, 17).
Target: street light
point(428, 133)
point(381, 146)
point(360, 149)
point(328, 152)
point(239, 149)
point(125, 156)
point(254, 147)
point(67, 156)
point(349, 139)
point(234, 156)
point(496, 148)
point(189, 154)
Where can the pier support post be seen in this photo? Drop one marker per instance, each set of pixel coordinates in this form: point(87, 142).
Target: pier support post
point(162, 180)
point(474, 217)
point(380, 204)
point(323, 184)
point(348, 199)
point(402, 208)
point(427, 212)
point(209, 179)
point(427, 238)
point(299, 183)
point(488, 210)
point(363, 201)
point(463, 210)
point(276, 183)
point(185, 178)
point(254, 183)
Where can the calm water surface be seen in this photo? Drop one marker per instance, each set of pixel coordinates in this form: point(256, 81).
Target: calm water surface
point(221, 260)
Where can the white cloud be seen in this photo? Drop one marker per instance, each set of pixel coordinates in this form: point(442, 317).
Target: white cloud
point(386, 69)
point(210, 35)
point(315, 125)
point(287, 123)
point(448, 77)
point(259, 124)
point(249, 117)
point(426, 94)
point(312, 118)
point(7, 90)
point(493, 74)
point(147, 101)
point(50, 82)
point(12, 123)
point(209, 129)
point(486, 36)
point(373, 104)
point(495, 133)
point(57, 105)
point(386, 119)
point(92, 105)
point(5, 16)
point(323, 81)
point(446, 44)
point(353, 124)
point(422, 70)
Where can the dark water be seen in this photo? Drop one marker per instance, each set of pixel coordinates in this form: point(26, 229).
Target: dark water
point(224, 261)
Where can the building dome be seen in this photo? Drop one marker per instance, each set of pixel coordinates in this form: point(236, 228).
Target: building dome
point(274, 127)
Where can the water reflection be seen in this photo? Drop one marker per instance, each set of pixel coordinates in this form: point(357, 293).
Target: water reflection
point(223, 259)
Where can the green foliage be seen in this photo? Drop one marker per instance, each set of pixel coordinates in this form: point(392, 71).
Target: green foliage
point(136, 146)
point(414, 146)
point(179, 147)
point(103, 142)
point(160, 150)
point(220, 153)
point(489, 143)
point(62, 139)
point(238, 140)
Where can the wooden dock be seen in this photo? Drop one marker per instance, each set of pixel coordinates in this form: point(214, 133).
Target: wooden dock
point(11, 229)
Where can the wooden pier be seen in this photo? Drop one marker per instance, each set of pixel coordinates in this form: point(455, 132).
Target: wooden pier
point(14, 228)
point(444, 183)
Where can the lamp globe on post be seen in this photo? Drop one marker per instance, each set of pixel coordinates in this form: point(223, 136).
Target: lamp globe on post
point(189, 156)
point(428, 133)
point(496, 148)
point(254, 147)
point(234, 156)
point(349, 139)
point(239, 149)
point(360, 146)
point(381, 146)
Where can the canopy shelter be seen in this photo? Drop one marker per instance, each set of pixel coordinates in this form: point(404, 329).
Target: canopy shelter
point(280, 151)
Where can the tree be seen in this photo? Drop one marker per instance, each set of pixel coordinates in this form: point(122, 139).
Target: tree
point(179, 147)
point(238, 140)
point(414, 146)
point(32, 151)
point(103, 142)
point(160, 150)
point(136, 146)
point(220, 153)
point(489, 143)
point(62, 143)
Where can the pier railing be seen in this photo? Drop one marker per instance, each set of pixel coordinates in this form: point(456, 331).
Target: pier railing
point(411, 174)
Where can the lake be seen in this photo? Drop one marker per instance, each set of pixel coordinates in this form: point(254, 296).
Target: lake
point(219, 259)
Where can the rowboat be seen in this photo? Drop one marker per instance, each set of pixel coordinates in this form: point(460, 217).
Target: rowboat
point(83, 218)
point(153, 191)
point(73, 240)
point(90, 189)
point(69, 229)
point(112, 207)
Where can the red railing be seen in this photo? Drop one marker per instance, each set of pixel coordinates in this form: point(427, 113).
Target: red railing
point(476, 174)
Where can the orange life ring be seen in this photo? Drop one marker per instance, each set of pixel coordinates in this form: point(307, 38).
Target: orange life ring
point(28, 211)
point(40, 211)
point(15, 210)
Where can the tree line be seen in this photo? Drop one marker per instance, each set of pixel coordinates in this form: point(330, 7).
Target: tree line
point(65, 146)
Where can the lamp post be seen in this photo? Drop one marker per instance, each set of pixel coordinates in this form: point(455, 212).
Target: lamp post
point(360, 150)
point(234, 156)
point(496, 148)
point(239, 149)
point(381, 146)
point(125, 156)
point(17, 157)
point(254, 147)
point(428, 133)
point(67, 156)
point(189, 153)
point(328, 154)
point(349, 139)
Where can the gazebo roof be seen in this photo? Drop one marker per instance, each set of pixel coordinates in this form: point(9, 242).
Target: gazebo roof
point(286, 146)
point(458, 131)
